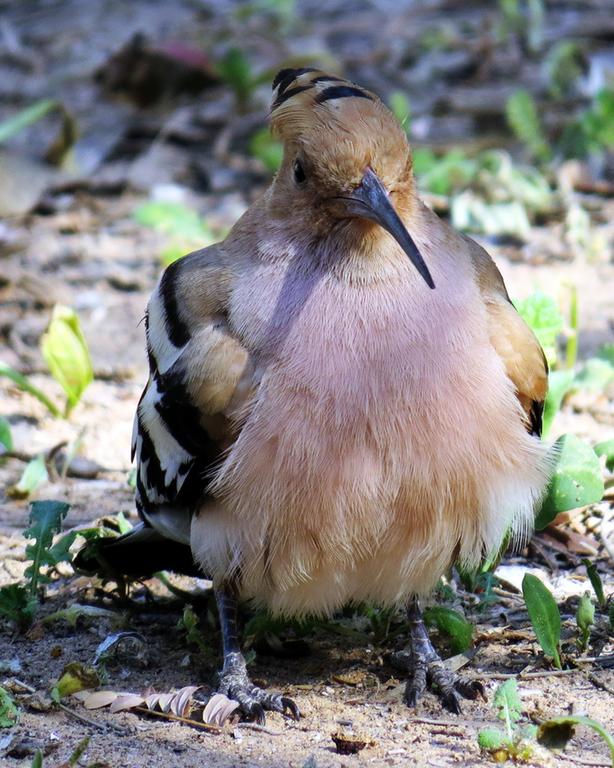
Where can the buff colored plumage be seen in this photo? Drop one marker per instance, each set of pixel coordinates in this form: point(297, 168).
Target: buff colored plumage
point(342, 401)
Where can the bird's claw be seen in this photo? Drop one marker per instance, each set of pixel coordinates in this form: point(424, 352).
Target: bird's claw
point(254, 701)
point(447, 685)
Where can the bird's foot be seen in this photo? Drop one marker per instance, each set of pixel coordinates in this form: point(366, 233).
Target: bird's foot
point(253, 701)
point(427, 670)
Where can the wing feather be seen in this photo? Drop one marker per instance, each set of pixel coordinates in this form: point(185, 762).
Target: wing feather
point(184, 422)
point(513, 340)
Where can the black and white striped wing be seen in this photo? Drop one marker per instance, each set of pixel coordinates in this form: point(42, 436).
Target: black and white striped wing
point(190, 354)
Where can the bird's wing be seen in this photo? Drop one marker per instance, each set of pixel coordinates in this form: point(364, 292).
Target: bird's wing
point(513, 340)
point(200, 375)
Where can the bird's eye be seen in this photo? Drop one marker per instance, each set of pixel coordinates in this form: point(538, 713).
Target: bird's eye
point(299, 172)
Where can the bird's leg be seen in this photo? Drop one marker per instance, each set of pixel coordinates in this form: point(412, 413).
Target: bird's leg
point(234, 680)
point(427, 669)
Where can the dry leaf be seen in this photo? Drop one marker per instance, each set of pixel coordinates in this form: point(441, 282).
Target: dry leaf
point(126, 701)
point(349, 743)
point(164, 701)
point(351, 677)
point(180, 705)
point(100, 699)
point(219, 709)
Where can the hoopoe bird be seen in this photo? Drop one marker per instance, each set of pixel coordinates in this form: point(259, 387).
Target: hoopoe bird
point(342, 401)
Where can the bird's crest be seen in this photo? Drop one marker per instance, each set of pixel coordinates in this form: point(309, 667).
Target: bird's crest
point(330, 117)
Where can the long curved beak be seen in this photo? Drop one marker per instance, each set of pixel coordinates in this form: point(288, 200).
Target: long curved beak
point(370, 200)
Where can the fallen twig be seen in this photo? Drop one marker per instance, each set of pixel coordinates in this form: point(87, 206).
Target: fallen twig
point(93, 723)
point(177, 718)
point(600, 684)
point(528, 675)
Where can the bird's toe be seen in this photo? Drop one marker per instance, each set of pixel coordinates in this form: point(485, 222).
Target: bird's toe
point(290, 706)
point(470, 689)
point(254, 702)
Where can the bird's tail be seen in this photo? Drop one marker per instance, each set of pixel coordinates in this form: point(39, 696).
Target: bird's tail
point(139, 553)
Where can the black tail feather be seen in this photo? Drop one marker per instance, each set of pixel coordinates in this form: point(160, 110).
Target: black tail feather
point(139, 554)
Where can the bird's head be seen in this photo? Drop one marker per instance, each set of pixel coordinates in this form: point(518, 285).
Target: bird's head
point(346, 158)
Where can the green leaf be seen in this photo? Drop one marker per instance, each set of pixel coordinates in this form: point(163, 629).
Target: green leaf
point(17, 605)
point(606, 448)
point(491, 739)
point(123, 524)
point(606, 352)
point(77, 611)
point(444, 174)
point(556, 732)
point(564, 67)
point(541, 313)
point(523, 119)
point(507, 702)
point(9, 714)
point(78, 751)
point(470, 212)
point(131, 478)
point(172, 219)
point(595, 580)
point(22, 382)
point(236, 70)
point(452, 624)
point(576, 481)
point(65, 350)
point(267, 149)
point(45, 520)
point(594, 376)
point(6, 438)
point(37, 760)
point(585, 618)
point(75, 677)
point(544, 614)
point(34, 475)
point(26, 117)
point(559, 384)
point(401, 109)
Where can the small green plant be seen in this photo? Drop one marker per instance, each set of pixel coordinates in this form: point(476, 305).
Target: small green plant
point(453, 625)
point(66, 353)
point(18, 601)
point(606, 449)
point(75, 756)
point(520, 743)
point(189, 625)
point(59, 148)
point(514, 742)
point(541, 313)
point(236, 71)
point(563, 67)
point(6, 436)
point(523, 119)
point(281, 12)
point(596, 583)
point(401, 108)
point(185, 229)
point(9, 714)
point(585, 618)
point(267, 149)
point(75, 677)
point(592, 131)
point(544, 615)
point(555, 733)
point(33, 477)
point(576, 482)
point(24, 385)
